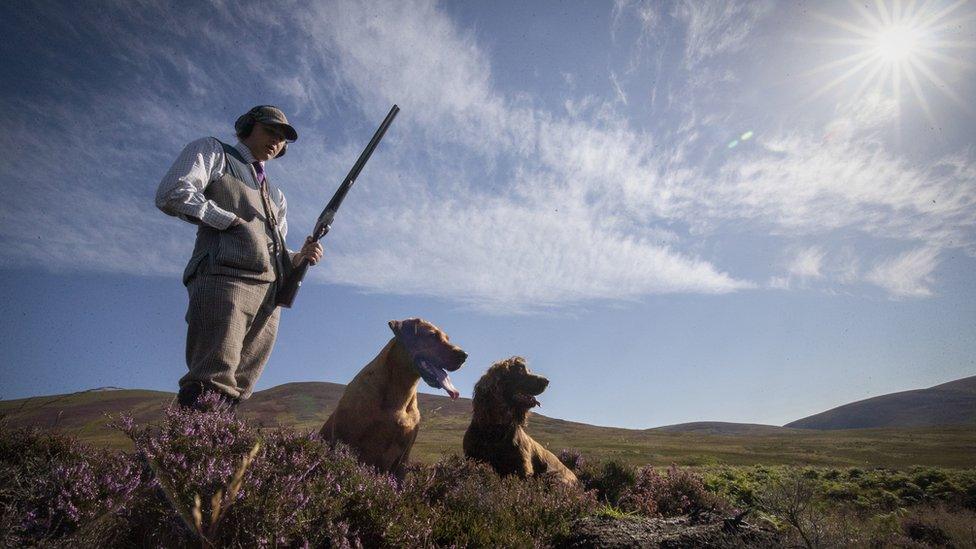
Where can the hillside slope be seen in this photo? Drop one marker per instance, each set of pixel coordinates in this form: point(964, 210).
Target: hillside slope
point(305, 406)
point(723, 428)
point(952, 403)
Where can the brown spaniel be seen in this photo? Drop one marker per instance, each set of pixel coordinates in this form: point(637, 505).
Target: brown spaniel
point(377, 414)
point(502, 400)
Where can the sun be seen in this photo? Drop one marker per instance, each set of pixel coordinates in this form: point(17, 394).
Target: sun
point(897, 42)
point(899, 45)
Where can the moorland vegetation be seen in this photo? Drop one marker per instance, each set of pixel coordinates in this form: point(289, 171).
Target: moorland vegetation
point(214, 479)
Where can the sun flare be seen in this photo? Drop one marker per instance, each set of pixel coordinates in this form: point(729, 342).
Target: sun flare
point(897, 42)
point(897, 45)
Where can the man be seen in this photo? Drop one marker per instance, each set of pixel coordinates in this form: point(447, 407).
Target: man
point(239, 258)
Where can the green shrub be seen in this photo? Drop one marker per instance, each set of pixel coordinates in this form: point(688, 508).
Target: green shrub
point(737, 485)
point(925, 477)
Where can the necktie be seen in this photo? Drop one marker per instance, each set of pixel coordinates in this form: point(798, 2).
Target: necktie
point(265, 196)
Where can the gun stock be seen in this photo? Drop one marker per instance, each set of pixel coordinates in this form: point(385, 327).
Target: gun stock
point(285, 295)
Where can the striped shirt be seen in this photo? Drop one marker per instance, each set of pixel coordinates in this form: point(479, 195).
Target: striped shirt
point(180, 193)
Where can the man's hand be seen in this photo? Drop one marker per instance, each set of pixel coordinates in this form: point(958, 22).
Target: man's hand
point(311, 252)
point(237, 221)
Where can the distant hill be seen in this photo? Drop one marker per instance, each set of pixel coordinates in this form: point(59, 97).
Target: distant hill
point(723, 428)
point(305, 406)
point(952, 403)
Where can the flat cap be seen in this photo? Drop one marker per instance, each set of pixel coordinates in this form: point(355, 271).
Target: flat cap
point(271, 115)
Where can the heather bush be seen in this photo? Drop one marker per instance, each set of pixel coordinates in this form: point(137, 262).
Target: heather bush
point(51, 486)
point(925, 532)
point(479, 508)
point(937, 526)
point(211, 479)
point(303, 491)
point(296, 490)
point(572, 458)
point(215, 480)
point(675, 492)
point(609, 481)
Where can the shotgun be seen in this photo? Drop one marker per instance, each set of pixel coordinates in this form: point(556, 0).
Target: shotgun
point(286, 293)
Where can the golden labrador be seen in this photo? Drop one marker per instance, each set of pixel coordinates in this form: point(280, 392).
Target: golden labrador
point(377, 414)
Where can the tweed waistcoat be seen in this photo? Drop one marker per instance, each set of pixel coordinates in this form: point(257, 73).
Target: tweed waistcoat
point(254, 249)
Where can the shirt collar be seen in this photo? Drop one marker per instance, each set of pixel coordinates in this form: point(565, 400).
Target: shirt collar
point(245, 153)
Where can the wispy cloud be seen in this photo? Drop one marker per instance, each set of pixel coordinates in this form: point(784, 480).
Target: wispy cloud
point(715, 27)
point(908, 274)
point(544, 235)
point(807, 263)
point(648, 14)
point(621, 96)
point(556, 231)
point(478, 194)
point(805, 185)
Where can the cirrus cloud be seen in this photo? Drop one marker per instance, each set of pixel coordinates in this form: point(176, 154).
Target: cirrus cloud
point(483, 196)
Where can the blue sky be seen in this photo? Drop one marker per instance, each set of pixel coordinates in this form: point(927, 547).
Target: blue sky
point(677, 211)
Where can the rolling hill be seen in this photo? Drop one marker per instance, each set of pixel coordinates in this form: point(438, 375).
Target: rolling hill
point(305, 406)
point(952, 403)
point(723, 428)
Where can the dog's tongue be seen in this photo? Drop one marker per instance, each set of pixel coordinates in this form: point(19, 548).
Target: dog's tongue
point(437, 378)
point(450, 388)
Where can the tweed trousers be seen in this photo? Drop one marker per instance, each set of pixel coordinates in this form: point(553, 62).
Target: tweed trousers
point(232, 324)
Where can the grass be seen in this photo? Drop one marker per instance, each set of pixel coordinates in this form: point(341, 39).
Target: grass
point(305, 406)
point(947, 447)
point(609, 511)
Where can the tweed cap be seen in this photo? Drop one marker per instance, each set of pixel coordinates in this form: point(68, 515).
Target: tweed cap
point(271, 115)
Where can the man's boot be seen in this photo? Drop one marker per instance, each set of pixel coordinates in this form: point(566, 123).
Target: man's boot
point(203, 397)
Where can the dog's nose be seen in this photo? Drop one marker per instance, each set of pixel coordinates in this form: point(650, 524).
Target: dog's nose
point(461, 355)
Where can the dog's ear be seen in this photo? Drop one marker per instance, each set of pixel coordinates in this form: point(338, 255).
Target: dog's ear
point(406, 327)
point(488, 402)
point(407, 334)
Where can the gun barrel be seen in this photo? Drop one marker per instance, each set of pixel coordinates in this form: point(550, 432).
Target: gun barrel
point(285, 295)
point(347, 183)
point(368, 151)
